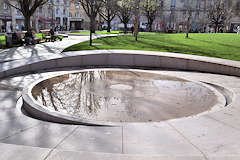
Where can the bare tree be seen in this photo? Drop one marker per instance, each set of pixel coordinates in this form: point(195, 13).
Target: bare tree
point(217, 14)
point(229, 14)
point(91, 8)
point(150, 9)
point(188, 16)
point(108, 12)
point(124, 12)
point(136, 9)
point(27, 8)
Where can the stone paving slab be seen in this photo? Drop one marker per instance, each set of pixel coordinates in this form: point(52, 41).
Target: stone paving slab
point(209, 135)
point(16, 126)
point(15, 152)
point(9, 114)
point(69, 155)
point(150, 139)
point(8, 98)
point(44, 135)
point(94, 139)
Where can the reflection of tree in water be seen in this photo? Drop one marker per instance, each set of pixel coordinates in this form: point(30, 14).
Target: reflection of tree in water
point(46, 87)
point(72, 93)
point(88, 94)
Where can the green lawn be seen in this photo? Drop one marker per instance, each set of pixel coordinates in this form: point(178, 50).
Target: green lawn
point(39, 35)
point(222, 45)
point(97, 32)
point(2, 41)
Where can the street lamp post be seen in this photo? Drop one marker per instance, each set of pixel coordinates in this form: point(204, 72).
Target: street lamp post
point(52, 17)
point(51, 5)
point(91, 20)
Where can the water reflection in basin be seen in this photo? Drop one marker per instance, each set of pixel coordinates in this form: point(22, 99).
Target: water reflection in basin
point(123, 96)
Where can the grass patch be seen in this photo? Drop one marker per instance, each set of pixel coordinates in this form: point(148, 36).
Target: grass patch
point(97, 32)
point(222, 45)
point(2, 41)
point(39, 35)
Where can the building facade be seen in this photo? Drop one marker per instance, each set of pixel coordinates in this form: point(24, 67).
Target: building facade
point(76, 16)
point(69, 15)
point(54, 13)
point(175, 13)
point(5, 16)
point(61, 10)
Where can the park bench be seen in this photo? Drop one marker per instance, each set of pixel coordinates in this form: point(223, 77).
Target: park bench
point(20, 38)
point(46, 35)
point(172, 31)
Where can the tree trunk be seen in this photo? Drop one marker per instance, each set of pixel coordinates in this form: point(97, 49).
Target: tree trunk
point(188, 27)
point(150, 26)
point(136, 28)
point(125, 28)
point(216, 28)
point(27, 22)
point(109, 26)
point(225, 28)
point(93, 27)
point(187, 30)
point(187, 35)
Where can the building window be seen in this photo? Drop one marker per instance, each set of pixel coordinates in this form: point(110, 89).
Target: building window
point(237, 9)
point(64, 11)
point(77, 6)
point(58, 20)
point(77, 15)
point(173, 3)
point(70, 14)
point(57, 11)
point(198, 4)
point(40, 9)
point(212, 2)
point(19, 13)
point(49, 12)
point(5, 6)
point(186, 3)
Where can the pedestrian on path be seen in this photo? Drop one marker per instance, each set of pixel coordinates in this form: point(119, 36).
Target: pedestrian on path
point(238, 29)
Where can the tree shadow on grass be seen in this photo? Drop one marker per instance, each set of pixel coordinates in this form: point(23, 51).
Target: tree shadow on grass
point(179, 49)
point(221, 44)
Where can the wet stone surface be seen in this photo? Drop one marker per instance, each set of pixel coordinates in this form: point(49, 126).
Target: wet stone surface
point(123, 96)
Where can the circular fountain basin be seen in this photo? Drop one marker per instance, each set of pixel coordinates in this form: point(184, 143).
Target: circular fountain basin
point(121, 96)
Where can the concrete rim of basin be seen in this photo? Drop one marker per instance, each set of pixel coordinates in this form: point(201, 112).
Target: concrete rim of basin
point(38, 111)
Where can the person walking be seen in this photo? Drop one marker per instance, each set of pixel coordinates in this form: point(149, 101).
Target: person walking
point(238, 29)
point(53, 36)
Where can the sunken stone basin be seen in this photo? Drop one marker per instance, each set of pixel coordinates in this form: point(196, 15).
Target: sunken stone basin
point(122, 96)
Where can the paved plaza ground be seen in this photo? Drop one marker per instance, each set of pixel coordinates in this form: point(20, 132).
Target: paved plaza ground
point(210, 136)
